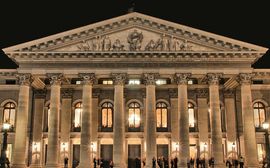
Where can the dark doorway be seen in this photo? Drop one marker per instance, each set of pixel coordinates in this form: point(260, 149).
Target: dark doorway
point(134, 156)
point(76, 155)
point(163, 153)
point(106, 155)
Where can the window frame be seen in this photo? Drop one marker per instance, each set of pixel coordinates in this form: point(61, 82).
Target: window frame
point(258, 108)
point(108, 106)
point(162, 129)
point(134, 129)
point(11, 109)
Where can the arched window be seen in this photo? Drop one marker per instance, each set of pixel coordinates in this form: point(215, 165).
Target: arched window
point(162, 115)
point(259, 114)
point(134, 115)
point(191, 113)
point(9, 114)
point(77, 116)
point(107, 115)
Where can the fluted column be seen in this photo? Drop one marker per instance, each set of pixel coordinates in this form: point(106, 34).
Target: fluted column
point(215, 115)
point(85, 147)
point(53, 133)
point(251, 160)
point(150, 122)
point(182, 80)
point(119, 122)
point(20, 147)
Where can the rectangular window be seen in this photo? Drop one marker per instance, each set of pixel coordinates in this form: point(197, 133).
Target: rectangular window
point(107, 82)
point(190, 82)
point(256, 118)
point(161, 82)
point(134, 82)
point(164, 118)
point(78, 82)
point(191, 118)
point(110, 117)
point(158, 118)
point(104, 118)
point(77, 118)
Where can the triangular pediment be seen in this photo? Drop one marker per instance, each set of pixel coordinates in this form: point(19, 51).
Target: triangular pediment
point(134, 32)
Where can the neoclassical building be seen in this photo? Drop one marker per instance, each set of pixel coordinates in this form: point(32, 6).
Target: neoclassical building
point(134, 86)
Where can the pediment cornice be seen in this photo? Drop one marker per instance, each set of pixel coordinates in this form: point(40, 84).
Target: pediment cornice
point(135, 20)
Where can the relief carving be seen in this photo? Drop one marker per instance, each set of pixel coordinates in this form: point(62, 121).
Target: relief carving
point(135, 40)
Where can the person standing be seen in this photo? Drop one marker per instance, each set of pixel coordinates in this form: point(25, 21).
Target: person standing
point(95, 162)
point(175, 161)
point(66, 162)
point(154, 162)
point(241, 161)
point(172, 164)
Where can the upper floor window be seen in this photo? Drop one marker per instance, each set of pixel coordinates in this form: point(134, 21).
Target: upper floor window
point(9, 114)
point(161, 82)
point(134, 82)
point(191, 114)
point(107, 82)
point(162, 115)
point(259, 114)
point(134, 115)
point(107, 115)
point(77, 116)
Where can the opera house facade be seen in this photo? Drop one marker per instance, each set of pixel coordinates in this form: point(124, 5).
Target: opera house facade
point(132, 87)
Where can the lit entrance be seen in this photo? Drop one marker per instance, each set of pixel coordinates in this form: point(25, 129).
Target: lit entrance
point(163, 152)
point(76, 155)
point(134, 156)
point(106, 155)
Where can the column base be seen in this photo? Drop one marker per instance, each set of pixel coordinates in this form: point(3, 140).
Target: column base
point(84, 166)
point(251, 166)
point(220, 165)
point(18, 166)
point(35, 166)
point(119, 165)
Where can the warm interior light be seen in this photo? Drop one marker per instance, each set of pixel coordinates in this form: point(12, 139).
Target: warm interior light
point(64, 146)
point(205, 145)
point(134, 120)
point(6, 126)
point(265, 125)
point(233, 145)
point(36, 146)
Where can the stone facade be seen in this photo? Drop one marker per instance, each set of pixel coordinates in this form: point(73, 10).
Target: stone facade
point(134, 86)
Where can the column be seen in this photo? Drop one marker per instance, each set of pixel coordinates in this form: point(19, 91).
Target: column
point(65, 118)
point(119, 122)
point(20, 146)
point(181, 80)
point(37, 128)
point(85, 147)
point(53, 133)
point(229, 100)
point(251, 160)
point(150, 121)
point(215, 115)
point(202, 95)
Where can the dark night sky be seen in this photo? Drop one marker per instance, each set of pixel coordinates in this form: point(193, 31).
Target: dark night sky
point(22, 21)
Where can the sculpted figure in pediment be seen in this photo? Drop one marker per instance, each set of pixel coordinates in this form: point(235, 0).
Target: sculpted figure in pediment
point(84, 46)
point(150, 46)
point(106, 43)
point(117, 46)
point(165, 43)
point(97, 44)
point(135, 40)
point(185, 46)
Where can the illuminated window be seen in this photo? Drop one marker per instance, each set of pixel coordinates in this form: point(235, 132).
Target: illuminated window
point(259, 114)
point(9, 114)
point(107, 115)
point(161, 82)
point(134, 82)
point(107, 82)
point(162, 112)
point(191, 114)
point(261, 152)
point(134, 114)
point(77, 115)
point(190, 82)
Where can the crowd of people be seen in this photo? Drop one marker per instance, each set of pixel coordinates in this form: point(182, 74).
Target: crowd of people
point(230, 162)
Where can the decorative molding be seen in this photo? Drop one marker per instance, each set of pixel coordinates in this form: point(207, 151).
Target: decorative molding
point(150, 78)
point(213, 78)
point(173, 93)
point(55, 78)
point(67, 93)
point(245, 78)
point(88, 78)
point(96, 93)
point(119, 78)
point(40, 93)
point(229, 93)
point(24, 79)
point(202, 93)
point(182, 78)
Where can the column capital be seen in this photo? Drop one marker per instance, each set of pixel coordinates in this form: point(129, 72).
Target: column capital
point(245, 78)
point(213, 78)
point(88, 78)
point(182, 78)
point(119, 78)
point(229, 93)
point(55, 78)
point(202, 93)
point(150, 78)
point(24, 79)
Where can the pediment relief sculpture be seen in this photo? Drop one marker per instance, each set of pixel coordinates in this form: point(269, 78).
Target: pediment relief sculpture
point(135, 40)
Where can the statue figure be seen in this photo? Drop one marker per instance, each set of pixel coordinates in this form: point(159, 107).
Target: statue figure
point(165, 43)
point(117, 46)
point(97, 46)
point(135, 39)
point(185, 46)
point(83, 46)
point(150, 46)
point(106, 43)
point(174, 46)
point(159, 45)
